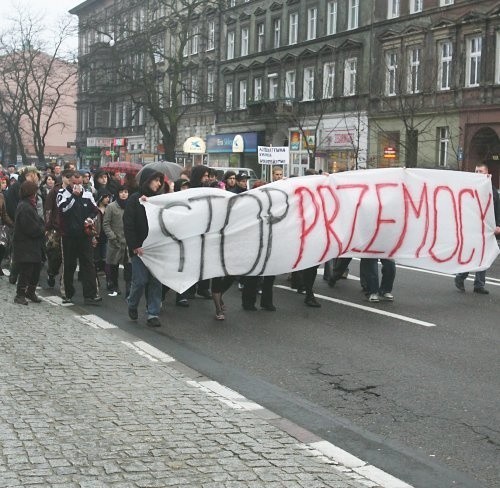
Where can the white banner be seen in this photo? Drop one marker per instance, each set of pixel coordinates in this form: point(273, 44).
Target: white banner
point(273, 155)
point(437, 220)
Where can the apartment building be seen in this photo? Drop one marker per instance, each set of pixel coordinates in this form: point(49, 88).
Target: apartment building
point(346, 84)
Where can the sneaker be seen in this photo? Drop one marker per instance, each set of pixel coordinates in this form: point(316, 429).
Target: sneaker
point(20, 300)
point(459, 283)
point(92, 300)
point(481, 291)
point(387, 297)
point(182, 303)
point(219, 315)
point(154, 322)
point(374, 298)
point(67, 300)
point(51, 281)
point(132, 313)
point(204, 293)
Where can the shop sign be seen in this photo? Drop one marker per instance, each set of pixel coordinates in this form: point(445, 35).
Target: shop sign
point(194, 145)
point(99, 141)
point(245, 142)
point(120, 141)
point(389, 152)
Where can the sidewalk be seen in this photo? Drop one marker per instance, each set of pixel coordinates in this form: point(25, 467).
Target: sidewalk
point(84, 404)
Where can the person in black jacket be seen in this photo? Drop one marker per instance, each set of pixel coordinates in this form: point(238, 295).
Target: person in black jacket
point(77, 208)
point(480, 276)
point(135, 227)
point(29, 232)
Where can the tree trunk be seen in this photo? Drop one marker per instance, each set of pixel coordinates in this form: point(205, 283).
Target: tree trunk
point(411, 148)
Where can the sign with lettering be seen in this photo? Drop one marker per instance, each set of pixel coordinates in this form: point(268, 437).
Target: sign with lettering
point(436, 220)
point(274, 155)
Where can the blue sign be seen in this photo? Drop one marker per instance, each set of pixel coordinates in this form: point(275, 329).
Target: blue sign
point(223, 143)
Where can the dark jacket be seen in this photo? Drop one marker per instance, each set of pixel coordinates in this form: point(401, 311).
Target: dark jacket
point(4, 216)
point(73, 210)
point(496, 204)
point(135, 222)
point(29, 233)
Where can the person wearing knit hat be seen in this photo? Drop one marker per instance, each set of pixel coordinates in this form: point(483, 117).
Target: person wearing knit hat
point(29, 232)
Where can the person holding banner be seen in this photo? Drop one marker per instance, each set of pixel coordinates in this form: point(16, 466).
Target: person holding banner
point(480, 276)
point(135, 227)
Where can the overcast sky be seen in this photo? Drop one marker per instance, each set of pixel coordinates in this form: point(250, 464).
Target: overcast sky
point(51, 10)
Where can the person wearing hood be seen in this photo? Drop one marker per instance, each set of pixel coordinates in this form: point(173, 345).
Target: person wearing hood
point(29, 233)
point(199, 179)
point(116, 252)
point(135, 226)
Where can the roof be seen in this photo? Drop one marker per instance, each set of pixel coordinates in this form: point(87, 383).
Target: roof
point(82, 6)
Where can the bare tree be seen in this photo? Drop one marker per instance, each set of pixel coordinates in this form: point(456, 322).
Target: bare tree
point(35, 81)
point(153, 47)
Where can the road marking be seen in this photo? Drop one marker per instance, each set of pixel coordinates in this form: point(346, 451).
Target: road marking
point(344, 458)
point(95, 321)
point(55, 300)
point(396, 316)
point(489, 280)
point(225, 395)
point(149, 352)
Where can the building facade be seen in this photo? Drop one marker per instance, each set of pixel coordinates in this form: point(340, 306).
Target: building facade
point(346, 84)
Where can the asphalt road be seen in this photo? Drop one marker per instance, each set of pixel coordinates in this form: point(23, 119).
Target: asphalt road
point(416, 393)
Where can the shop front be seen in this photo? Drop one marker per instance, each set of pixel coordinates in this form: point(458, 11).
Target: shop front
point(234, 150)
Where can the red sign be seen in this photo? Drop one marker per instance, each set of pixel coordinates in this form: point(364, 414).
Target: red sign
point(120, 142)
point(390, 152)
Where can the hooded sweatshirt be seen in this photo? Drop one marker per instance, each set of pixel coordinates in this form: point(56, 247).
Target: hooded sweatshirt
point(135, 222)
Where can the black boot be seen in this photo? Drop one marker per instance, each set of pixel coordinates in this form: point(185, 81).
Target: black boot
point(31, 294)
point(20, 297)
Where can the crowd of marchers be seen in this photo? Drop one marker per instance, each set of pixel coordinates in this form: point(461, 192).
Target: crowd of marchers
point(66, 220)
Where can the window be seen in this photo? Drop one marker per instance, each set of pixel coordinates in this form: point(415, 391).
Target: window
point(391, 60)
point(444, 145)
point(243, 94)
point(350, 73)
point(244, 41)
point(210, 85)
point(230, 45)
point(414, 70)
point(277, 33)
point(353, 14)
point(260, 38)
point(211, 36)
point(257, 89)
point(328, 79)
point(290, 85)
point(473, 67)
point(416, 6)
point(444, 69)
point(229, 96)
point(293, 28)
point(312, 17)
point(331, 18)
point(444, 3)
point(308, 90)
point(194, 89)
point(232, 3)
point(195, 40)
point(392, 9)
point(273, 86)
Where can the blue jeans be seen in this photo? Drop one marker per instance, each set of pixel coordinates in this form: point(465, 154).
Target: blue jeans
point(479, 279)
point(142, 278)
point(369, 275)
